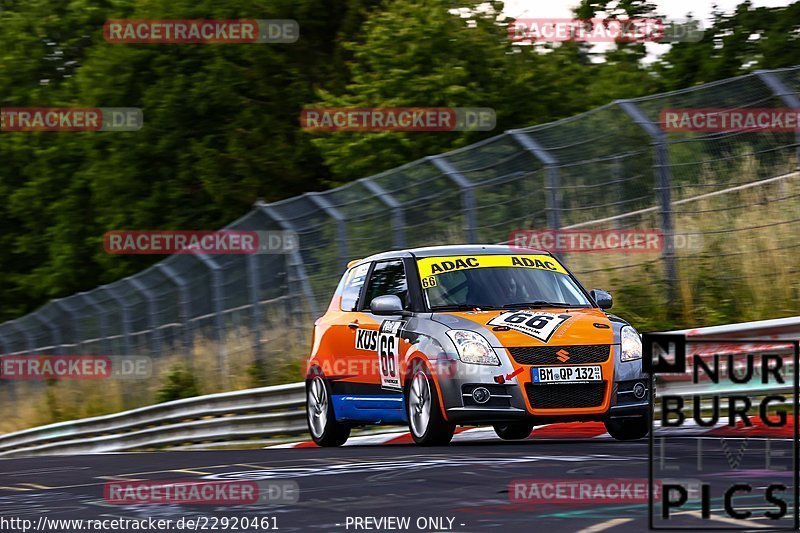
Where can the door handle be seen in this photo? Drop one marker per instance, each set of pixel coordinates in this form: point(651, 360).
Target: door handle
point(353, 325)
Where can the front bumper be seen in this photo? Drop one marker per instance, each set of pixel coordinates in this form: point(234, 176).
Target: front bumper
point(468, 415)
point(509, 400)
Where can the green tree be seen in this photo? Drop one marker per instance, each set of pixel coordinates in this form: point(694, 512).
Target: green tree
point(737, 43)
point(221, 129)
point(429, 54)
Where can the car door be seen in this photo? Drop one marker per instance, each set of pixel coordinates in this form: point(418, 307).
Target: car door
point(347, 365)
point(387, 277)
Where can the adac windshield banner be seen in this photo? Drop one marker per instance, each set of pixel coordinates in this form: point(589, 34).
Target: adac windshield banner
point(432, 266)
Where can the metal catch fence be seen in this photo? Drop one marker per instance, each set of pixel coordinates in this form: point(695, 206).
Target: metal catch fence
point(611, 167)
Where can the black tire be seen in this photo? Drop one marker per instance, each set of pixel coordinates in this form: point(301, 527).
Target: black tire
point(628, 428)
point(513, 431)
point(325, 430)
point(435, 431)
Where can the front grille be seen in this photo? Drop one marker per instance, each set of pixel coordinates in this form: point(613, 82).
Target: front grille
point(555, 355)
point(566, 395)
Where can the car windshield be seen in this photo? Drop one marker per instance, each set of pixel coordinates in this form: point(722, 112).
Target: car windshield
point(498, 282)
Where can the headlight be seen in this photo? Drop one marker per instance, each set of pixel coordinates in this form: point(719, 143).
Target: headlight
point(631, 344)
point(473, 348)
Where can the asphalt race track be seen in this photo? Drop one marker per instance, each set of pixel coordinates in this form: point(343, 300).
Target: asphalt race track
point(465, 482)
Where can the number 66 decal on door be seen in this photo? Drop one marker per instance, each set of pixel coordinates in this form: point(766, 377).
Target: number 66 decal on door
point(540, 325)
point(388, 352)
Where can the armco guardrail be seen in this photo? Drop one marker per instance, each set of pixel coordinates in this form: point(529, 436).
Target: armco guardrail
point(776, 329)
point(263, 412)
point(238, 415)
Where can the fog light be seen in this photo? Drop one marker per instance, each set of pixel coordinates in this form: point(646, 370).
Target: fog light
point(481, 395)
point(639, 390)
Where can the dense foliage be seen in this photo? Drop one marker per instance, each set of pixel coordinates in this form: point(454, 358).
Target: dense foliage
point(221, 121)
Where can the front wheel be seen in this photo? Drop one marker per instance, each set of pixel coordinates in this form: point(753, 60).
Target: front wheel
point(425, 419)
point(515, 431)
point(628, 428)
point(322, 424)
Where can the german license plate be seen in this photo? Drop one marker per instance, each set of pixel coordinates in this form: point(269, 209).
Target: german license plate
point(566, 374)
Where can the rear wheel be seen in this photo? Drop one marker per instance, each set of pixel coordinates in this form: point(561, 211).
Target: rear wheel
point(322, 424)
point(425, 419)
point(513, 431)
point(628, 428)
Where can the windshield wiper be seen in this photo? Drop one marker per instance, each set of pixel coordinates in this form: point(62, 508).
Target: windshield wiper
point(541, 303)
point(465, 307)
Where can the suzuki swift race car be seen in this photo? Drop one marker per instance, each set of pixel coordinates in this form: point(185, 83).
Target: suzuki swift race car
point(471, 335)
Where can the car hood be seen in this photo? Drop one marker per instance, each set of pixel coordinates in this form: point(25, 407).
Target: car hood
point(576, 326)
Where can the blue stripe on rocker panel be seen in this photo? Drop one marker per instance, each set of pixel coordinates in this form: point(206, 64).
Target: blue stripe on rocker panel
point(370, 408)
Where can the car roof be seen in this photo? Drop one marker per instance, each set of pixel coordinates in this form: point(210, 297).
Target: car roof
point(452, 249)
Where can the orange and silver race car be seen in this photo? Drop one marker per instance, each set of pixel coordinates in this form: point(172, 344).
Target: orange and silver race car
point(471, 335)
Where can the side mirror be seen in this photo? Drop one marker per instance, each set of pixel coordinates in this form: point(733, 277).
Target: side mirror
point(387, 305)
point(601, 298)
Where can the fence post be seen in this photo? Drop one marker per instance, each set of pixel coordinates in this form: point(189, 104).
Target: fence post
point(4, 343)
point(184, 302)
point(398, 216)
point(215, 270)
point(467, 195)
point(11, 387)
point(254, 288)
point(55, 334)
point(152, 313)
point(618, 175)
point(71, 312)
point(101, 319)
point(788, 97)
point(124, 315)
point(553, 186)
point(25, 333)
point(663, 187)
point(341, 224)
point(295, 259)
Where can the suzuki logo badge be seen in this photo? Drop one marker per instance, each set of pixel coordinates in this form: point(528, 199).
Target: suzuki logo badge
point(562, 355)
